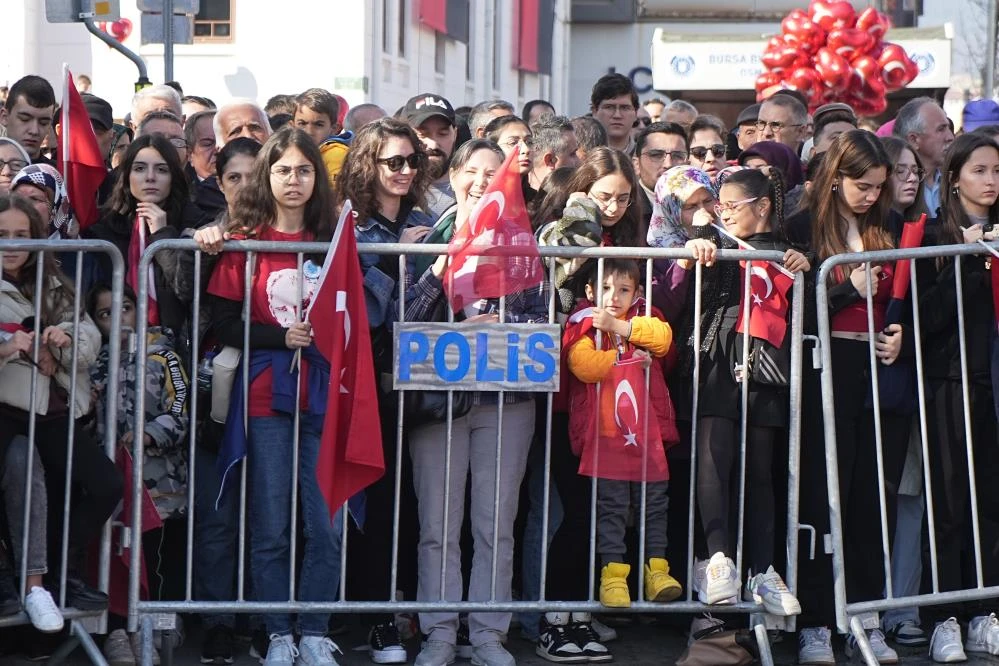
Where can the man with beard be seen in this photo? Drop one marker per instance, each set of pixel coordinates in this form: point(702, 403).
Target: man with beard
point(432, 117)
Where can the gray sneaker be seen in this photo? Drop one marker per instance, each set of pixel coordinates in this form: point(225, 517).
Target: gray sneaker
point(281, 651)
point(492, 654)
point(316, 651)
point(435, 653)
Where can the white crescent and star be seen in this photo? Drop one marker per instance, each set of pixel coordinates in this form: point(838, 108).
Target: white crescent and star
point(625, 388)
point(761, 273)
point(341, 306)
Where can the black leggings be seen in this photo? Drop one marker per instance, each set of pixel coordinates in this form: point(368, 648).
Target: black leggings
point(718, 489)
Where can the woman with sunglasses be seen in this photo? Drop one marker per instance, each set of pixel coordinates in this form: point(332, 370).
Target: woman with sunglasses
point(751, 208)
point(969, 198)
point(707, 145)
point(472, 451)
point(847, 211)
point(385, 177)
point(287, 199)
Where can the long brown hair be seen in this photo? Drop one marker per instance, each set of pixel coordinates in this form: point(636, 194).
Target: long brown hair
point(356, 180)
point(954, 216)
point(123, 202)
point(58, 305)
point(255, 206)
point(851, 155)
point(604, 161)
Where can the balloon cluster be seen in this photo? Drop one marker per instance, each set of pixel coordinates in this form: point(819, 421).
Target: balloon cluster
point(832, 54)
point(120, 29)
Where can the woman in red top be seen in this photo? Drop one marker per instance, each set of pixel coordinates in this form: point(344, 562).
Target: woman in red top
point(287, 198)
point(850, 201)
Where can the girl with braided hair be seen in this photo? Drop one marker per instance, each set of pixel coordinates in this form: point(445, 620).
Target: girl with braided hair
point(751, 209)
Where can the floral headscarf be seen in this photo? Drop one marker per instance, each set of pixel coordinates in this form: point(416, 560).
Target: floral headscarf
point(672, 191)
point(61, 222)
point(725, 174)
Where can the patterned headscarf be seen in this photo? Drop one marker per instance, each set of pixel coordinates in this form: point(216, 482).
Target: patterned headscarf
point(61, 222)
point(725, 174)
point(672, 191)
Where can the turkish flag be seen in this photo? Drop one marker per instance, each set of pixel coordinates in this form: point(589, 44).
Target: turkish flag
point(80, 157)
point(350, 453)
point(495, 253)
point(628, 444)
point(768, 305)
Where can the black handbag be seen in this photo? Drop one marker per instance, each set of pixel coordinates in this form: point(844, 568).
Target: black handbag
point(768, 365)
point(424, 407)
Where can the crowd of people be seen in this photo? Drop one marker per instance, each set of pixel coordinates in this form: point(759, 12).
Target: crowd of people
point(808, 185)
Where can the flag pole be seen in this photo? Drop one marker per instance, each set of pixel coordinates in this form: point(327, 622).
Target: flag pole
point(746, 246)
point(64, 120)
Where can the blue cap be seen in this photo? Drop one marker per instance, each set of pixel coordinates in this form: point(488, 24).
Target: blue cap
point(978, 113)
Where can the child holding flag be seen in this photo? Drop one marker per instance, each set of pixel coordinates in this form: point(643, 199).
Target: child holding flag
point(623, 446)
point(751, 207)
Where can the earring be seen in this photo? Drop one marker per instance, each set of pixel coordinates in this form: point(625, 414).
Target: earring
point(956, 191)
point(835, 187)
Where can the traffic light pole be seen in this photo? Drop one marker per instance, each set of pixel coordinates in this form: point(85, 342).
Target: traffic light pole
point(118, 46)
point(168, 40)
point(989, 87)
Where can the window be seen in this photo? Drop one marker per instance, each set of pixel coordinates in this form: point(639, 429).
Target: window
point(403, 29)
point(385, 27)
point(497, 41)
point(469, 49)
point(440, 52)
point(214, 23)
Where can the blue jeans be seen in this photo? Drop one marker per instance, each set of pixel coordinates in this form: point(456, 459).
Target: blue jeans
point(531, 561)
point(269, 452)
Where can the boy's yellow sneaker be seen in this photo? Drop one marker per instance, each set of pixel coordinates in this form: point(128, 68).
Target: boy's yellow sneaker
point(659, 585)
point(614, 585)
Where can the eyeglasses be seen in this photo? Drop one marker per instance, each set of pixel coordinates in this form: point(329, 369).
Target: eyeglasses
point(732, 206)
point(513, 142)
point(13, 165)
point(615, 109)
point(775, 125)
point(395, 163)
point(178, 142)
point(641, 122)
point(701, 152)
point(604, 200)
point(304, 172)
point(903, 173)
point(660, 155)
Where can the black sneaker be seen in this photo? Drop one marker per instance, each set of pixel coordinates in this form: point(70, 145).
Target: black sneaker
point(384, 644)
point(586, 638)
point(556, 644)
point(217, 645)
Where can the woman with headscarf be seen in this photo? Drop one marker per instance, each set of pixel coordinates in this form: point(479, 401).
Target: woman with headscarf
point(772, 153)
point(45, 188)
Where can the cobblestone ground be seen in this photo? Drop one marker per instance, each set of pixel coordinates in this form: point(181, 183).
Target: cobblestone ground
point(644, 641)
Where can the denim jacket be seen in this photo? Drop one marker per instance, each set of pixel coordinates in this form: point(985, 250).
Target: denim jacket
point(381, 292)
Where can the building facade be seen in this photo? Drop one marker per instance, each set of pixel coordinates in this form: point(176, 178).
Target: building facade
point(382, 51)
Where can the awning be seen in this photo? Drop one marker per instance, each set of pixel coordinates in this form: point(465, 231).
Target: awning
point(690, 62)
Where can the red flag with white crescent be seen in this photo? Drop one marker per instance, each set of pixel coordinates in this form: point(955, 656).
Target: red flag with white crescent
point(80, 158)
point(768, 305)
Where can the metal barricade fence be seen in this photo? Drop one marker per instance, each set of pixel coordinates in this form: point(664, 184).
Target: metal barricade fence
point(148, 615)
point(83, 622)
point(855, 617)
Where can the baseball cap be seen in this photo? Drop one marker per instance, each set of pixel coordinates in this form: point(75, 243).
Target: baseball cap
point(833, 106)
point(98, 110)
point(978, 113)
point(748, 115)
point(427, 105)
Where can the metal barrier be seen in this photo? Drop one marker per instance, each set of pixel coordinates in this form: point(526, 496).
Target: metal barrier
point(855, 617)
point(83, 623)
point(148, 615)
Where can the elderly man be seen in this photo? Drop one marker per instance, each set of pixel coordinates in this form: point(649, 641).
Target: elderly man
point(155, 98)
point(782, 118)
point(241, 118)
point(922, 123)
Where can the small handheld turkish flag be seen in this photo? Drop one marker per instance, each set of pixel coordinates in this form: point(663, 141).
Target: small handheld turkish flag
point(768, 301)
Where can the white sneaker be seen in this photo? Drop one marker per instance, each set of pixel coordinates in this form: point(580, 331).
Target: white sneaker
point(281, 651)
point(42, 611)
point(317, 651)
point(770, 590)
point(876, 637)
point(945, 645)
point(815, 646)
point(983, 635)
point(722, 581)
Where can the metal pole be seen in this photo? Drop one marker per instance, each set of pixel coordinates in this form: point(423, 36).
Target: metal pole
point(140, 64)
point(168, 40)
point(989, 86)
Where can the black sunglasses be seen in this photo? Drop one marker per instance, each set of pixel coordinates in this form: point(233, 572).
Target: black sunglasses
point(394, 163)
point(700, 152)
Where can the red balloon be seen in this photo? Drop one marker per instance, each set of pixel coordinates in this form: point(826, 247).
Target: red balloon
point(897, 69)
point(833, 68)
point(850, 42)
point(873, 22)
point(121, 29)
point(833, 15)
point(779, 55)
point(801, 31)
point(805, 80)
point(767, 79)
